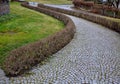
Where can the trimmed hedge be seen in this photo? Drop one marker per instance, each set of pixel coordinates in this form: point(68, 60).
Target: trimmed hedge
point(79, 3)
point(23, 58)
point(111, 24)
point(97, 8)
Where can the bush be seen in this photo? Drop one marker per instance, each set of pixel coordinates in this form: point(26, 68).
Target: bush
point(79, 3)
point(97, 8)
point(23, 58)
point(112, 24)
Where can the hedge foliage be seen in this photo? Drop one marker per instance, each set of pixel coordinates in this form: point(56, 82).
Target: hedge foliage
point(97, 8)
point(109, 23)
point(23, 58)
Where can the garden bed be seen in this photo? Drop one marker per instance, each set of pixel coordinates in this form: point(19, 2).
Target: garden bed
point(23, 58)
point(23, 26)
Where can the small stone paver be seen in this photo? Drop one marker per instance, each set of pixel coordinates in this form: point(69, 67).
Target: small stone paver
point(3, 78)
point(92, 57)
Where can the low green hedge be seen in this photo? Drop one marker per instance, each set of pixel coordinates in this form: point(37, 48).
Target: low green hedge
point(23, 58)
point(109, 23)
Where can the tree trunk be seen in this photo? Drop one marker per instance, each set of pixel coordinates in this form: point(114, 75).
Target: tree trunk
point(4, 8)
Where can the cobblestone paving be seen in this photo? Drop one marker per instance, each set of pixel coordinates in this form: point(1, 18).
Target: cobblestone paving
point(92, 57)
point(3, 78)
point(67, 7)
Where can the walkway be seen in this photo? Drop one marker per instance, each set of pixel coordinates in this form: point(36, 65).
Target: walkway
point(70, 7)
point(92, 57)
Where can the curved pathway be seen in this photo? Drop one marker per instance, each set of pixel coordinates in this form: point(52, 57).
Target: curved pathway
point(92, 57)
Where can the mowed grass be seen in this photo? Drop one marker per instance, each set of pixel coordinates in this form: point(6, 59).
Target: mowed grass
point(23, 26)
point(53, 1)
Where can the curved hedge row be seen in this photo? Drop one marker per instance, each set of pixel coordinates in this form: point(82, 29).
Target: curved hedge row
point(23, 58)
point(98, 8)
point(114, 25)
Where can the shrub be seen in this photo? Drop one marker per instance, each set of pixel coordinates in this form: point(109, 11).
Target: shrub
point(23, 58)
point(112, 24)
point(97, 8)
point(79, 3)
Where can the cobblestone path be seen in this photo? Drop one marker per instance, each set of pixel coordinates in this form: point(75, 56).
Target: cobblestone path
point(92, 57)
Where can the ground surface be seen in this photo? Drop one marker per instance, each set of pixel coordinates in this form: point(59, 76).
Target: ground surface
point(93, 56)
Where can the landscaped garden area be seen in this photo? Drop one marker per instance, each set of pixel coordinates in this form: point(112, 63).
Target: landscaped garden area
point(79, 46)
point(23, 26)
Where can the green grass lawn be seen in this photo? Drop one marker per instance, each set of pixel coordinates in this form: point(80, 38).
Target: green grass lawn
point(53, 1)
point(23, 26)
